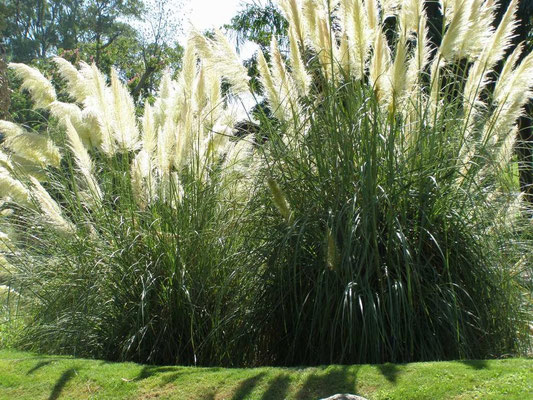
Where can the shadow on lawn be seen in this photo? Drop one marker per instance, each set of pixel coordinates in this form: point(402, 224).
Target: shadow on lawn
point(338, 379)
point(390, 371)
point(475, 364)
point(246, 387)
point(277, 388)
point(151, 370)
point(38, 366)
point(61, 382)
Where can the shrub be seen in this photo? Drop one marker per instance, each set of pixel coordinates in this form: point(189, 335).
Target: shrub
point(393, 220)
point(128, 231)
point(380, 221)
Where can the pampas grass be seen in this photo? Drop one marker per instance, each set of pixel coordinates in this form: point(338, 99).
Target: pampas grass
point(380, 222)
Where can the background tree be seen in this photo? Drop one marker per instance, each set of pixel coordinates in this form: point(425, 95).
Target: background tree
point(258, 22)
point(30, 27)
point(103, 23)
point(158, 48)
point(136, 37)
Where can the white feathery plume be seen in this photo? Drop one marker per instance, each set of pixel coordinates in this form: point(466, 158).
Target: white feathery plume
point(506, 150)
point(326, 45)
point(76, 85)
point(359, 33)
point(98, 111)
point(23, 167)
point(380, 68)
point(214, 107)
point(50, 208)
point(124, 123)
point(301, 77)
point(510, 65)
point(285, 87)
point(33, 147)
point(90, 131)
point(200, 44)
point(227, 63)
point(479, 30)
point(510, 100)
point(502, 37)
point(165, 143)
point(268, 86)
point(455, 33)
point(163, 106)
point(142, 179)
point(63, 111)
point(149, 133)
point(372, 16)
point(398, 73)
point(409, 15)
point(188, 70)
point(83, 160)
point(186, 133)
point(214, 146)
point(293, 13)
point(389, 8)
point(435, 86)
point(200, 98)
point(41, 90)
point(237, 153)
point(447, 7)
point(310, 17)
point(344, 57)
point(12, 188)
point(421, 55)
point(491, 54)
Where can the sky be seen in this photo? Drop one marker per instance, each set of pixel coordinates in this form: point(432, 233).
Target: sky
point(185, 14)
point(207, 14)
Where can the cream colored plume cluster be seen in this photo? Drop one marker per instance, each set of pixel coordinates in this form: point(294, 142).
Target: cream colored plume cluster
point(191, 121)
point(189, 126)
point(407, 75)
point(356, 47)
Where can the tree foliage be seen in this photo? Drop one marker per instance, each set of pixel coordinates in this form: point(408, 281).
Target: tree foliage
point(99, 31)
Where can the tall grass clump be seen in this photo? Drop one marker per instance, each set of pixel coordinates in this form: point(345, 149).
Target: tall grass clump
point(392, 217)
point(380, 220)
point(127, 236)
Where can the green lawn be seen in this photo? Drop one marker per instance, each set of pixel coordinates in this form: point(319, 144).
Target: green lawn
point(32, 376)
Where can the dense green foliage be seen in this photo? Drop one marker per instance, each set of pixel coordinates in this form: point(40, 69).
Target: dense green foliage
point(100, 31)
point(375, 215)
point(385, 256)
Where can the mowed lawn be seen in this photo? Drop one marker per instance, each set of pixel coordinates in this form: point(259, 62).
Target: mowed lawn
point(32, 376)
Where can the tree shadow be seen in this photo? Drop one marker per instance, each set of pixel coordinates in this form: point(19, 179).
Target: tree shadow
point(170, 373)
point(277, 388)
point(389, 371)
point(149, 370)
point(246, 387)
point(329, 381)
point(61, 382)
point(39, 365)
point(476, 364)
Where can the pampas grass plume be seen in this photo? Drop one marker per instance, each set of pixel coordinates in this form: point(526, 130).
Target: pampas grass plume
point(41, 90)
